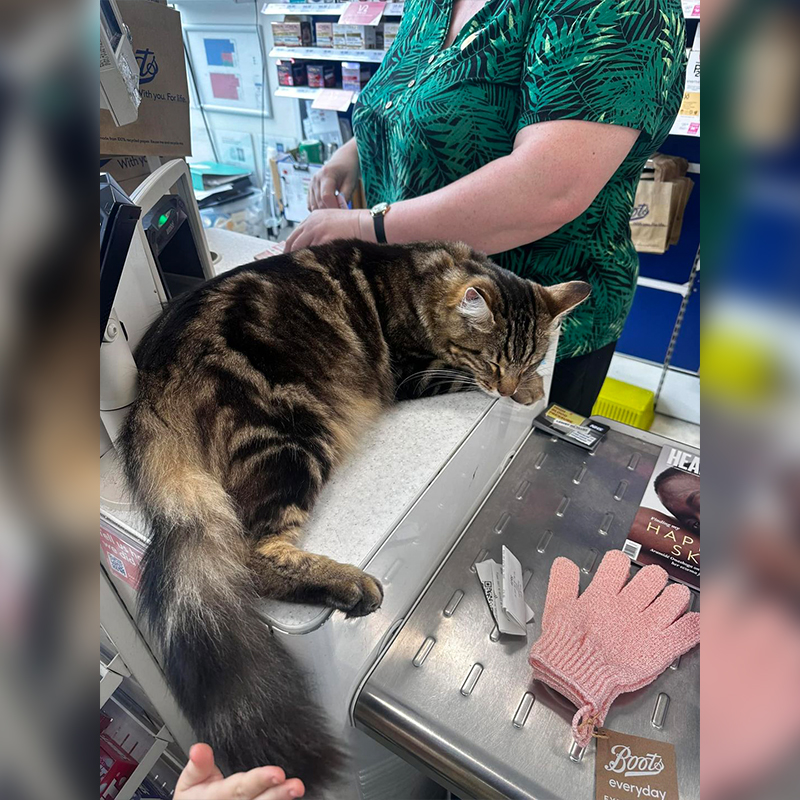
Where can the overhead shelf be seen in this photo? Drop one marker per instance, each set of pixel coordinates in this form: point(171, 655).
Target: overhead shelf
point(327, 9)
point(328, 54)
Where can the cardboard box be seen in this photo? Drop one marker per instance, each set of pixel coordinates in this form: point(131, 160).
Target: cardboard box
point(321, 76)
point(354, 37)
point(324, 34)
point(354, 75)
point(297, 33)
point(390, 33)
point(127, 171)
point(163, 127)
point(291, 73)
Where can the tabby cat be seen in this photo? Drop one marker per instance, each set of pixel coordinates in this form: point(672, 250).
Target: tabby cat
point(251, 390)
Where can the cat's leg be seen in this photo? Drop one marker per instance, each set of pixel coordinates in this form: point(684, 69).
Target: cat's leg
point(286, 572)
point(274, 482)
point(431, 378)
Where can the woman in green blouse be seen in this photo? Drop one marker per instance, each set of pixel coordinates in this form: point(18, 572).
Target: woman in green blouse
point(520, 127)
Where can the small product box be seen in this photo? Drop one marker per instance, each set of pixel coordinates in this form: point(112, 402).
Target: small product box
point(290, 73)
point(321, 76)
point(389, 33)
point(324, 34)
point(354, 75)
point(354, 37)
point(294, 33)
point(278, 37)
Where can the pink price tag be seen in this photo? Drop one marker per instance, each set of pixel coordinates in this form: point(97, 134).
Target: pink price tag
point(362, 14)
point(333, 100)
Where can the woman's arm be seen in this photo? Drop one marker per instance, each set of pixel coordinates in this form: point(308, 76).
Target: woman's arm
point(552, 176)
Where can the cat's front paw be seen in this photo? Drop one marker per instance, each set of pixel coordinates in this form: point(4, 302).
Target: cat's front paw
point(357, 594)
point(371, 597)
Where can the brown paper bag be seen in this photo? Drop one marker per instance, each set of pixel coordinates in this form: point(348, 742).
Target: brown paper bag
point(163, 127)
point(661, 199)
point(652, 215)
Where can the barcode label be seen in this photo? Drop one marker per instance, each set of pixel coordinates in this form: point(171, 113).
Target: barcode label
point(631, 549)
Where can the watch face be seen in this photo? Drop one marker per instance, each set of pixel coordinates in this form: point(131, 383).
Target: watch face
point(381, 208)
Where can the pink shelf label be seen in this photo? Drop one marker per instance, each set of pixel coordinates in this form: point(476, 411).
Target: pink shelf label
point(362, 14)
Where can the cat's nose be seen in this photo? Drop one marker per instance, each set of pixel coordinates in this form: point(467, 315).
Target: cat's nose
point(507, 386)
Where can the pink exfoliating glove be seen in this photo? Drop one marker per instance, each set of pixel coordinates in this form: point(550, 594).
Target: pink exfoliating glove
point(613, 638)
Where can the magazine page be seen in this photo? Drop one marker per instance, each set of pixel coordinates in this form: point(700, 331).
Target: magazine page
point(666, 529)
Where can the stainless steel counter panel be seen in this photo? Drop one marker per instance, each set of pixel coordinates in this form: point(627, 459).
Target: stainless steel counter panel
point(455, 698)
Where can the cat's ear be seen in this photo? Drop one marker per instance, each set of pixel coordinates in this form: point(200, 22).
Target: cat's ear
point(563, 297)
point(474, 307)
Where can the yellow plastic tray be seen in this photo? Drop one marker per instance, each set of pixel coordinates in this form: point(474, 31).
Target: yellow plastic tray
point(626, 403)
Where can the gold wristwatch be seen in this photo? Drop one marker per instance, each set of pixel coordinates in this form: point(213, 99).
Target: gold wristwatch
point(378, 213)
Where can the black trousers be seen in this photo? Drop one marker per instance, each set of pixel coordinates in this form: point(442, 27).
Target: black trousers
point(577, 381)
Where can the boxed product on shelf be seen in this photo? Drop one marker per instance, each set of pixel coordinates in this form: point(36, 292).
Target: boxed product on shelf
point(321, 76)
point(354, 37)
point(290, 73)
point(324, 31)
point(354, 75)
point(390, 33)
point(292, 33)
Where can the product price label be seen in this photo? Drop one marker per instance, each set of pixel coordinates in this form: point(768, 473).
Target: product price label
point(633, 768)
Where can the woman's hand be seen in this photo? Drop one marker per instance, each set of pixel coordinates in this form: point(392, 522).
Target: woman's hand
point(325, 225)
point(340, 175)
point(202, 780)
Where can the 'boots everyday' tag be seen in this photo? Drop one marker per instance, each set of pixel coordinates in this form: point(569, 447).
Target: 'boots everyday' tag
point(632, 768)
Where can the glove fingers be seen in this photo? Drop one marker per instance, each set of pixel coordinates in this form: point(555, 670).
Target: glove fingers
point(611, 575)
point(684, 634)
point(674, 600)
point(645, 586)
point(565, 579)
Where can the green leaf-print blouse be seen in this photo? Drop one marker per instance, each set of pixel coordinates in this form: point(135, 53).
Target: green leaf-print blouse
point(430, 115)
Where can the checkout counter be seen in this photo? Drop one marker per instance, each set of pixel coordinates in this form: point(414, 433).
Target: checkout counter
point(426, 693)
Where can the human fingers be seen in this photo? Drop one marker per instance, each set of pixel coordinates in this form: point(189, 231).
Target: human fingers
point(348, 187)
point(199, 769)
point(327, 190)
point(303, 237)
point(249, 785)
point(293, 237)
point(293, 788)
point(314, 193)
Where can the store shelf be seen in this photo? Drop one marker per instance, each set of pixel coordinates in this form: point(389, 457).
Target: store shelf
point(328, 54)
point(303, 93)
point(327, 9)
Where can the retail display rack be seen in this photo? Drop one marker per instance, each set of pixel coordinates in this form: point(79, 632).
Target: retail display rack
point(392, 11)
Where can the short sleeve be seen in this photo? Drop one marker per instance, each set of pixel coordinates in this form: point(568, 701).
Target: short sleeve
point(615, 61)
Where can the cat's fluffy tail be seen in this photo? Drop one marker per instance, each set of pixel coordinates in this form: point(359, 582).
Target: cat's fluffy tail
point(239, 688)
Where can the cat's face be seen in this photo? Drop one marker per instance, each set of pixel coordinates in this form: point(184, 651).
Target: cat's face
point(501, 335)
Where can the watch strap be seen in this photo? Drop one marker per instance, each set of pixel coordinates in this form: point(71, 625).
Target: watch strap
point(380, 227)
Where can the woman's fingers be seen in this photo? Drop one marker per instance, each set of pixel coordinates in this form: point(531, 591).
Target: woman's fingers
point(327, 190)
point(199, 769)
point(288, 791)
point(250, 785)
point(348, 187)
